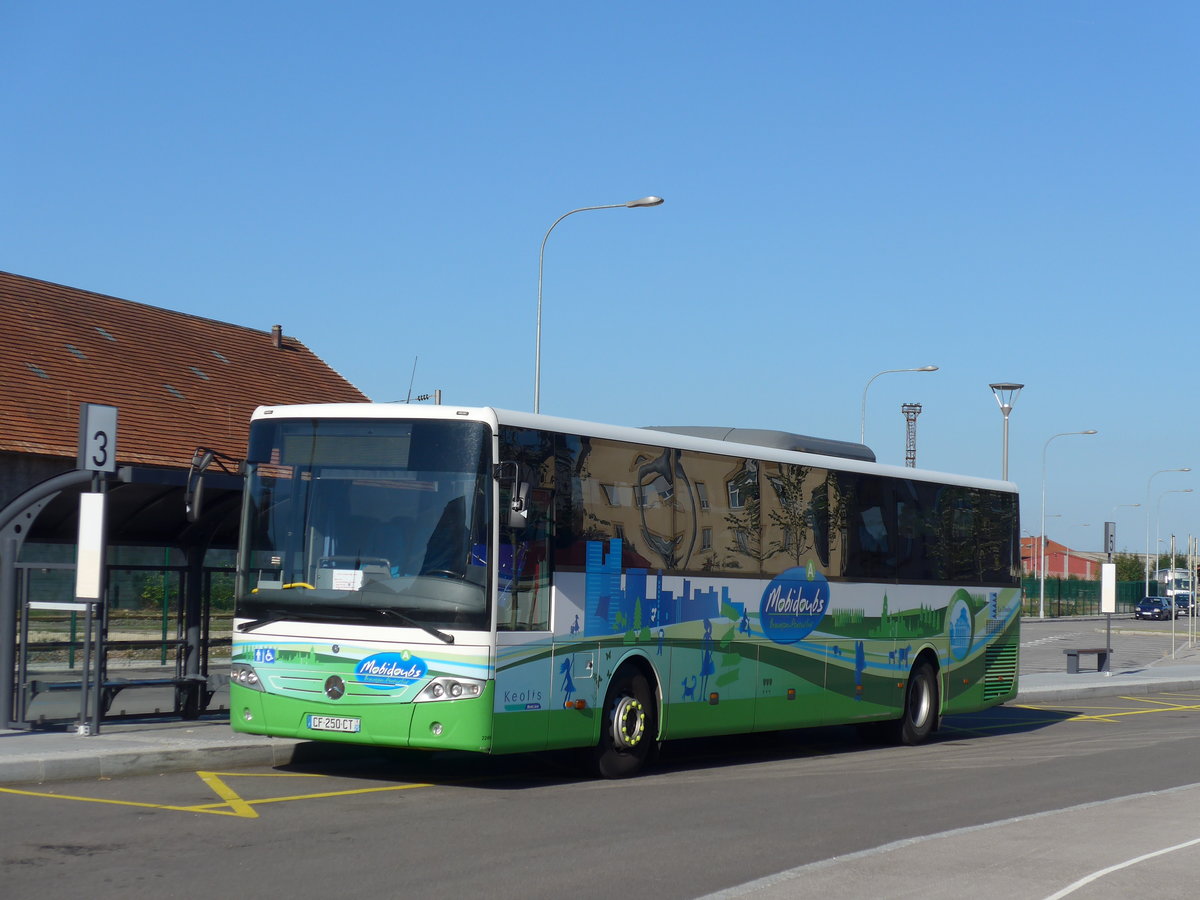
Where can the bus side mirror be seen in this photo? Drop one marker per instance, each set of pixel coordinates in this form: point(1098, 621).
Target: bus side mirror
point(518, 513)
point(508, 474)
point(193, 491)
point(193, 488)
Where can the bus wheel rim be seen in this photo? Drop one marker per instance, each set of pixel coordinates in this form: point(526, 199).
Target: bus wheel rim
point(628, 722)
point(922, 701)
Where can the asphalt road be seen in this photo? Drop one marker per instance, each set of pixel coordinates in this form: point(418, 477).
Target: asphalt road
point(1007, 803)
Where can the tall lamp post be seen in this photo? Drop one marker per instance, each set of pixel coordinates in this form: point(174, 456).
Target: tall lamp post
point(862, 430)
point(1006, 395)
point(1042, 585)
point(1158, 517)
point(1148, 480)
point(537, 347)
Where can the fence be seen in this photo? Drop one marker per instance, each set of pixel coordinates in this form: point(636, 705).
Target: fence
point(1076, 597)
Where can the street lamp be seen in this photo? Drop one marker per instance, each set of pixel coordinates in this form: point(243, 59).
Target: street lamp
point(1042, 587)
point(862, 430)
point(1148, 480)
point(1157, 517)
point(537, 347)
point(1006, 395)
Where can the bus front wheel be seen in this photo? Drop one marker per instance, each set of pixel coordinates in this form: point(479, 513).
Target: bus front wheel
point(628, 726)
point(920, 706)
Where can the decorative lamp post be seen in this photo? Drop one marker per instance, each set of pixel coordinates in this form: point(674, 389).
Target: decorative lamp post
point(1006, 395)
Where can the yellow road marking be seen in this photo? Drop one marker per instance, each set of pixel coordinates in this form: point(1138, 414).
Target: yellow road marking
point(236, 804)
point(106, 800)
point(1122, 713)
point(233, 804)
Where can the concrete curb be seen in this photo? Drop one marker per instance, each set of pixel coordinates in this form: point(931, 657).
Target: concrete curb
point(1114, 689)
point(38, 757)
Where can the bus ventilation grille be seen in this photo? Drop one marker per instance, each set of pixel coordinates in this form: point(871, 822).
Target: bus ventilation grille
point(1001, 671)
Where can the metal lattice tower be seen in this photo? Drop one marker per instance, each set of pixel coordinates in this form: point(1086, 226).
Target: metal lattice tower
point(911, 411)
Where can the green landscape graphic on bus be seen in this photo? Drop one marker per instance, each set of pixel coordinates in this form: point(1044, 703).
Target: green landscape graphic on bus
point(796, 610)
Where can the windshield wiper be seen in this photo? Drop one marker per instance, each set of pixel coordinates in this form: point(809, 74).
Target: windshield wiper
point(254, 624)
point(413, 623)
point(305, 616)
point(295, 615)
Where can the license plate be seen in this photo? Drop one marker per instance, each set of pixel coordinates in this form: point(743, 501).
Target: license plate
point(334, 723)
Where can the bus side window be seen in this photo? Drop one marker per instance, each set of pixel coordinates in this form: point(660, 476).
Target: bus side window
point(525, 569)
point(524, 557)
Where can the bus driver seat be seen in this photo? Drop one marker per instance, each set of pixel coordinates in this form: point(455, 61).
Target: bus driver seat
point(446, 552)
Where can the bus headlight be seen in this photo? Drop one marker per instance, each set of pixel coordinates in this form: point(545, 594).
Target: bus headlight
point(444, 688)
point(244, 676)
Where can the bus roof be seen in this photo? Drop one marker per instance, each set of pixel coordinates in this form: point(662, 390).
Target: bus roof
point(778, 440)
point(764, 444)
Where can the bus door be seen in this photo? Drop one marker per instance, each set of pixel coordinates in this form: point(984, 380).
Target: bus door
point(524, 678)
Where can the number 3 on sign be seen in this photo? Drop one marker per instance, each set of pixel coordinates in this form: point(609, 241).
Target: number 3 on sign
point(97, 437)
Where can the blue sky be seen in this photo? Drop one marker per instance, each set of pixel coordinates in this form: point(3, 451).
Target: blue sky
point(1005, 190)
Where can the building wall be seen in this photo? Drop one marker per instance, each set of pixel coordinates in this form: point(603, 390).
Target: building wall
point(1061, 561)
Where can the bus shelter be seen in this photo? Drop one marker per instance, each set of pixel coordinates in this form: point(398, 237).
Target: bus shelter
point(150, 648)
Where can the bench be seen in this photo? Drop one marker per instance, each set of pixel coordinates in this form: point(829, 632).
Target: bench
point(110, 688)
point(1073, 659)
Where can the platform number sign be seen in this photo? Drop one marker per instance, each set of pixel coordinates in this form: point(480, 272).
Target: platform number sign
point(97, 437)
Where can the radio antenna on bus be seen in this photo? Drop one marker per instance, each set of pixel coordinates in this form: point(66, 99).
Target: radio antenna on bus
point(411, 379)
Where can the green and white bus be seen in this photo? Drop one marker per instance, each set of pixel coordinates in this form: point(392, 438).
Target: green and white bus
point(477, 579)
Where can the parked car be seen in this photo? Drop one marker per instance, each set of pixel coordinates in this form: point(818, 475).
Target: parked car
point(1183, 605)
point(1154, 608)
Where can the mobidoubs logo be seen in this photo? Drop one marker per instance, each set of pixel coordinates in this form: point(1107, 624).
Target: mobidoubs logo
point(390, 670)
point(793, 605)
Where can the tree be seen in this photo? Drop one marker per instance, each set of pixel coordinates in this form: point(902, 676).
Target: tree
point(1130, 567)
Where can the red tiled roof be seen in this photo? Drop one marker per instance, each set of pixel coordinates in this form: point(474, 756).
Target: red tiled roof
point(179, 381)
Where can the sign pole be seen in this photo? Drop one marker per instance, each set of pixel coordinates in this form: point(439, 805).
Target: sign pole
point(97, 454)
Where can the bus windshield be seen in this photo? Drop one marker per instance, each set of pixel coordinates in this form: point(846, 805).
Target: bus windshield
point(366, 521)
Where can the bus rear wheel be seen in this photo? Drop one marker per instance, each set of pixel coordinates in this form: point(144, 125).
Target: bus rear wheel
point(920, 706)
point(628, 727)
